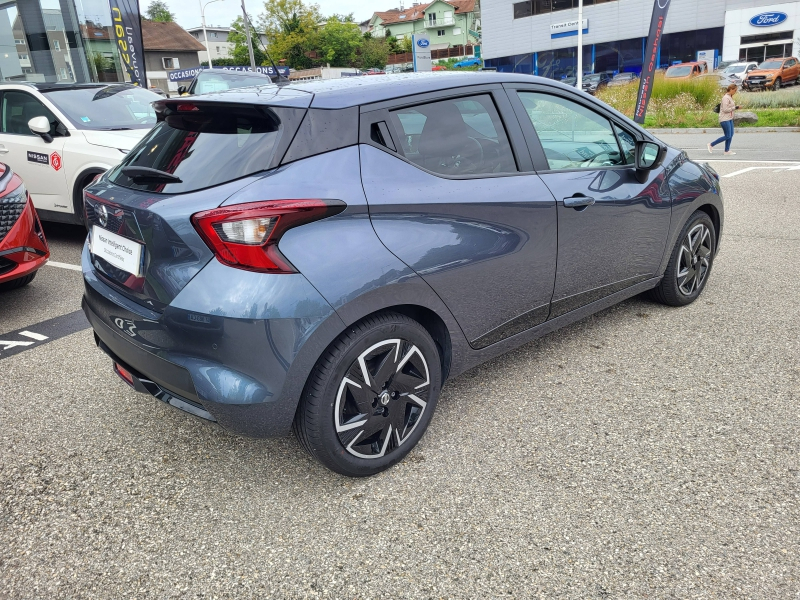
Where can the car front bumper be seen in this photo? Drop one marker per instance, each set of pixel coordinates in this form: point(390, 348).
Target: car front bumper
point(206, 356)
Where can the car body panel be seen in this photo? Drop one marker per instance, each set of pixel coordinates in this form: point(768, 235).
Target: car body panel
point(23, 247)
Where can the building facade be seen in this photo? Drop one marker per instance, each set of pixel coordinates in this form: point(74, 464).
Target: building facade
point(540, 36)
point(67, 41)
point(447, 23)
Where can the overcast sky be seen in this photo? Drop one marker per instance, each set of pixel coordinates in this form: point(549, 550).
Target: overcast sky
point(223, 12)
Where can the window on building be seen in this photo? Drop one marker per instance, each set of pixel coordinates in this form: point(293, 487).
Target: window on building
point(572, 136)
point(523, 9)
point(170, 63)
point(214, 34)
point(19, 42)
point(62, 74)
point(22, 56)
point(767, 37)
point(440, 32)
point(432, 18)
point(56, 45)
point(540, 7)
point(217, 49)
point(458, 136)
point(456, 30)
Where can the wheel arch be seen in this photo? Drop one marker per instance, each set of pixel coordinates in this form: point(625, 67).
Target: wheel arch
point(81, 181)
point(713, 214)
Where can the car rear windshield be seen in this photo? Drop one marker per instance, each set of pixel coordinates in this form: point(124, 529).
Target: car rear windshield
point(206, 83)
point(109, 108)
point(203, 147)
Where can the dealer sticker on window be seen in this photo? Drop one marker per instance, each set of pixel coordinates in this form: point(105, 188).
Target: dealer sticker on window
point(118, 251)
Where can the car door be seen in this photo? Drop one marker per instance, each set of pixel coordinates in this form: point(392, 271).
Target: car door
point(793, 69)
point(39, 163)
point(452, 193)
point(612, 226)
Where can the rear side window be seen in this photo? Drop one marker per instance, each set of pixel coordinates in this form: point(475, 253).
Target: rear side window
point(203, 147)
point(459, 136)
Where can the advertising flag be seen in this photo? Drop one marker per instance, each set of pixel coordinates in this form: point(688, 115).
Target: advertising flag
point(128, 36)
point(660, 8)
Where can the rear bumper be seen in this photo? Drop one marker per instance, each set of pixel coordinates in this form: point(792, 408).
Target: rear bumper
point(246, 374)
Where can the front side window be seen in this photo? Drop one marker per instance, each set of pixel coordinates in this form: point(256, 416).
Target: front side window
point(572, 136)
point(459, 136)
point(628, 144)
point(19, 108)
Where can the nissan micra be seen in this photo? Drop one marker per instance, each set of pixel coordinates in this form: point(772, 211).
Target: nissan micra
point(322, 257)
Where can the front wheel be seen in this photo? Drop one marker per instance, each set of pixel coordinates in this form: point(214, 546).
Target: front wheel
point(690, 264)
point(777, 85)
point(371, 396)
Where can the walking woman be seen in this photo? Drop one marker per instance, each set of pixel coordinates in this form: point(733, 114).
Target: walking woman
point(726, 110)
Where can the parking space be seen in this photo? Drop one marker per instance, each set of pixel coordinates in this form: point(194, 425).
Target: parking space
point(645, 451)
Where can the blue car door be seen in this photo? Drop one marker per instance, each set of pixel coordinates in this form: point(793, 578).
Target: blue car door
point(452, 193)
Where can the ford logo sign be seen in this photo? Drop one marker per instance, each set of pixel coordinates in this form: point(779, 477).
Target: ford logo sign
point(426, 43)
point(768, 19)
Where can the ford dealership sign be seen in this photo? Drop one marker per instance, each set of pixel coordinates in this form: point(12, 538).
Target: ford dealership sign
point(768, 19)
point(423, 43)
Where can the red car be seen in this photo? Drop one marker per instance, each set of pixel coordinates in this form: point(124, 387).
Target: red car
point(23, 247)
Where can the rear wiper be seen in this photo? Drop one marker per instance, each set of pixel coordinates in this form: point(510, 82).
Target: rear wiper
point(148, 175)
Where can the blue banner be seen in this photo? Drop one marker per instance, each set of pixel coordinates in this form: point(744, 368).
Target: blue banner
point(185, 74)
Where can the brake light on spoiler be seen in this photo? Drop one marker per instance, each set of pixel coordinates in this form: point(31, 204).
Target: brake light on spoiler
point(246, 236)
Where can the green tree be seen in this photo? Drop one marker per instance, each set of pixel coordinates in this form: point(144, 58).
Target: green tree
point(338, 42)
point(291, 27)
point(239, 54)
point(158, 10)
point(374, 53)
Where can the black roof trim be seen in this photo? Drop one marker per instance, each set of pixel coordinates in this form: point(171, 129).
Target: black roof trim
point(52, 87)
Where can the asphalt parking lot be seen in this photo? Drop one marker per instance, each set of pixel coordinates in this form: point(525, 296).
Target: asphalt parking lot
point(643, 452)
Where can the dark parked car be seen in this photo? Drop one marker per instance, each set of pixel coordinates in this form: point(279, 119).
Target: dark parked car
point(595, 82)
point(209, 81)
point(623, 79)
point(323, 257)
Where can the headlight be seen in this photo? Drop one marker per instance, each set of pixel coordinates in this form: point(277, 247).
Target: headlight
point(16, 196)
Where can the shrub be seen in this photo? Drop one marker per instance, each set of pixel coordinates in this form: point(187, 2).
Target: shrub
point(780, 99)
point(704, 90)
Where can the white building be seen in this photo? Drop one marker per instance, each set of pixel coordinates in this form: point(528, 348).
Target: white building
point(540, 36)
point(217, 41)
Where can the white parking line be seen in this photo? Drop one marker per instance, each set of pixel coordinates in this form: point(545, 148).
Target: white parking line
point(34, 336)
point(61, 265)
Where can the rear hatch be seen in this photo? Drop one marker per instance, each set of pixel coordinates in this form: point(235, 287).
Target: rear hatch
point(199, 154)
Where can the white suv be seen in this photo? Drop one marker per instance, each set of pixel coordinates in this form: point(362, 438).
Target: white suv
point(91, 127)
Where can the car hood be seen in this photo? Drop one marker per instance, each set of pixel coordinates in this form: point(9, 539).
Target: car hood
point(124, 140)
point(763, 72)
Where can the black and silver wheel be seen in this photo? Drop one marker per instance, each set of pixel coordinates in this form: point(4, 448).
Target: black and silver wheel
point(371, 396)
point(777, 85)
point(690, 264)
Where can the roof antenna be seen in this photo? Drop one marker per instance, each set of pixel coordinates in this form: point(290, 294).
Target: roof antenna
point(282, 79)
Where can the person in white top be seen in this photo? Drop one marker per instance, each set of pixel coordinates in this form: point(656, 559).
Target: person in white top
point(726, 109)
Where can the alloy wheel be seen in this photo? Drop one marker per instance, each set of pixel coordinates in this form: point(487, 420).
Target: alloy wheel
point(381, 398)
point(695, 260)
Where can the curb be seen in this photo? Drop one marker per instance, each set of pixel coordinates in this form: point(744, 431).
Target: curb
point(716, 130)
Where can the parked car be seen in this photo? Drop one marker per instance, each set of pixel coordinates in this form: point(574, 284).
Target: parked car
point(158, 91)
point(324, 258)
point(469, 62)
point(736, 72)
point(58, 137)
point(686, 70)
point(23, 247)
point(374, 71)
point(438, 68)
point(593, 83)
point(623, 79)
point(569, 81)
point(773, 74)
point(208, 81)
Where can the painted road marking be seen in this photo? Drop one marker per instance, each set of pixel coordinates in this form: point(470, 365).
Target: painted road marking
point(793, 167)
point(45, 332)
point(61, 265)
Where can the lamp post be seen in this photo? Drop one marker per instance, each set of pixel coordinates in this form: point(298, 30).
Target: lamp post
point(205, 35)
point(579, 82)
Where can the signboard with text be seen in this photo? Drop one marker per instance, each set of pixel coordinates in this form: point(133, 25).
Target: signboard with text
point(660, 8)
point(128, 35)
point(187, 74)
point(422, 52)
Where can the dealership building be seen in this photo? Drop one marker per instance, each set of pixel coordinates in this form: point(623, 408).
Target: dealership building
point(540, 36)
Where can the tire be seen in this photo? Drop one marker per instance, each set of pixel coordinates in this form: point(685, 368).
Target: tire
point(357, 427)
point(17, 283)
point(777, 85)
point(683, 280)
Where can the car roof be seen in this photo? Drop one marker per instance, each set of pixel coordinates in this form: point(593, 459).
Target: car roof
point(686, 64)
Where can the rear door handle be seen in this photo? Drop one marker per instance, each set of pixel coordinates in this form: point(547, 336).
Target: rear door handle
point(3, 150)
point(578, 201)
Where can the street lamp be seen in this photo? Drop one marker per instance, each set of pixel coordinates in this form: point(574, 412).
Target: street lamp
point(205, 35)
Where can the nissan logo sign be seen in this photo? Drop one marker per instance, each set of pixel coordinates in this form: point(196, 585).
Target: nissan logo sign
point(768, 19)
point(423, 43)
point(102, 215)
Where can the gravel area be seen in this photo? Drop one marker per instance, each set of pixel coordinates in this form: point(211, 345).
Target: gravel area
point(643, 452)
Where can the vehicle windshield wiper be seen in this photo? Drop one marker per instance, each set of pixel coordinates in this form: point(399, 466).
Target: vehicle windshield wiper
point(115, 129)
point(148, 175)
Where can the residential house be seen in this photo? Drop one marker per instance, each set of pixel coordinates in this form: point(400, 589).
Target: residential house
point(167, 47)
point(448, 23)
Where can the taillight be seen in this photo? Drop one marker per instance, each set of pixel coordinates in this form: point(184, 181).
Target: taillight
point(126, 375)
point(246, 236)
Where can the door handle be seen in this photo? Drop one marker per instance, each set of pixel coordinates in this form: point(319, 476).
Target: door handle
point(578, 201)
point(3, 150)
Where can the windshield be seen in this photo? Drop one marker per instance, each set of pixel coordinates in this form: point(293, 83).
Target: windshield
point(624, 76)
point(592, 78)
point(734, 69)
point(679, 71)
point(771, 64)
point(206, 83)
point(107, 108)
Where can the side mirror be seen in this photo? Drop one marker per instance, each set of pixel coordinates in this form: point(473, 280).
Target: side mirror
point(181, 89)
point(41, 126)
point(648, 155)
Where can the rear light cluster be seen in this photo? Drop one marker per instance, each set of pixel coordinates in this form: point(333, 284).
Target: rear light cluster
point(246, 236)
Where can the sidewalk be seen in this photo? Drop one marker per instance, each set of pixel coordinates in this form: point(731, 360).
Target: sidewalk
point(716, 129)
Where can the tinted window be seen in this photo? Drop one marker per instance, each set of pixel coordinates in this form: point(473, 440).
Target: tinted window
point(523, 9)
point(19, 108)
point(107, 108)
point(206, 82)
point(628, 144)
point(204, 148)
point(462, 136)
point(572, 136)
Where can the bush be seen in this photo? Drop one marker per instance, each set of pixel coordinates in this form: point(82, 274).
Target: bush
point(705, 91)
point(780, 99)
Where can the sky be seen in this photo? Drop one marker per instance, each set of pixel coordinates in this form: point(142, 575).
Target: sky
point(224, 12)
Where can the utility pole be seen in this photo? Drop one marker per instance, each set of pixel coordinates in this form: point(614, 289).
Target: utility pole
point(205, 35)
point(249, 40)
point(579, 83)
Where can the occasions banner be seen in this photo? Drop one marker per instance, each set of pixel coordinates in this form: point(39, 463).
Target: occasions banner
point(660, 8)
point(128, 34)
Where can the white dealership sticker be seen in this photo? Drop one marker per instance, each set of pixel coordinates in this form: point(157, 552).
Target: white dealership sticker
point(121, 252)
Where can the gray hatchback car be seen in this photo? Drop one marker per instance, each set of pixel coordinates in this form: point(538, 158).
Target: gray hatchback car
point(324, 256)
